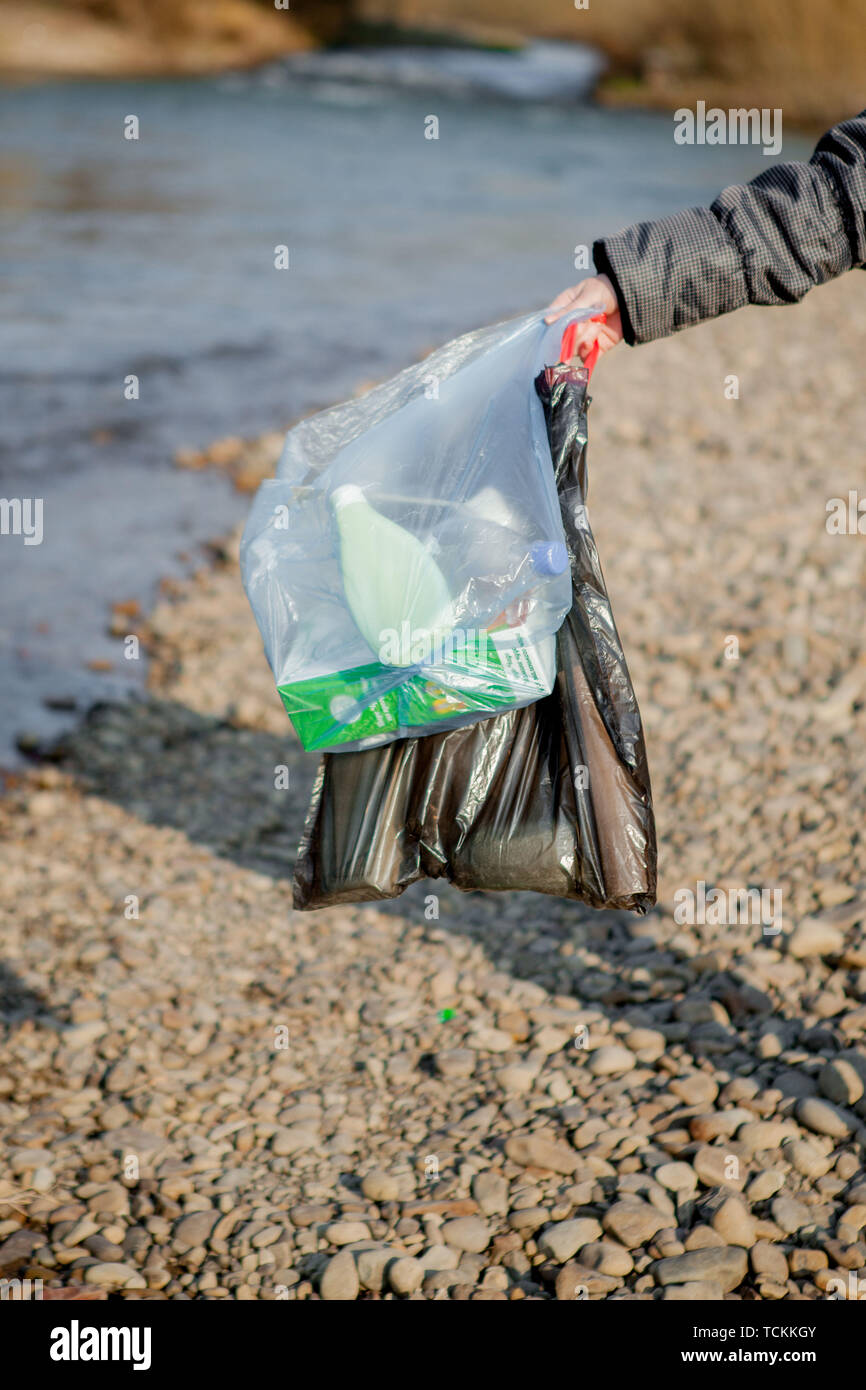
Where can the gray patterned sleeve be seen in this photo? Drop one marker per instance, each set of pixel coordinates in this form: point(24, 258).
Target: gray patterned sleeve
point(764, 242)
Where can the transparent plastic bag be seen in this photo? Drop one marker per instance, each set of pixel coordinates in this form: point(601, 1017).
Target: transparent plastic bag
point(551, 798)
point(407, 566)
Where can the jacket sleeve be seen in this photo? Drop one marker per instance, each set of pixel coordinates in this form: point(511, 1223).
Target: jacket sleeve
point(764, 242)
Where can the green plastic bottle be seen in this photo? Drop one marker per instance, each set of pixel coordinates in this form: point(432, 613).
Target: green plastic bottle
point(394, 588)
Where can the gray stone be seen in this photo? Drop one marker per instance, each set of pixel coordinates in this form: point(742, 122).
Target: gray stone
point(607, 1257)
point(824, 1118)
point(634, 1223)
point(840, 1082)
point(346, 1232)
point(406, 1275)
point(293, 1139)
point(724, 1265)
point(769, 1261)
point(677, 1177)
point(380, 1187)
point(807, 1158)
point(696, 1291)
point(790, 1215)
point(733, 1221)
point(194, 1229)
point(611, 1060)
point(490, 1191)
point(534, 1151)
point(562, 1240)
point(339, 1282)
point(456, 1062)
point(371, 1265)
point(517, 1080)
point(439, 1257)
point(114, 1276)
point(466, 1233)
point(17, 1250)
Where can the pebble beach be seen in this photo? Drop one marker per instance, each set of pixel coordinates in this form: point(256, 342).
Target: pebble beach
point(207, 1095)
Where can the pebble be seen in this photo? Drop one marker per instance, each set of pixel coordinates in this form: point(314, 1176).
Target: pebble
point(491, 1040)
point(406, 1275)
point(694, 1291)
point(789, 1214)
point(439, 1257)
point(431, 1073)
point(764, 1185)
point(42, 1179)
point(840, 1082)
point(677, 1177)
point(562, 1240)
point(607, 1257)
point(490, 1191)
point(517, 1080)
point(371, 1265)
point(760, 1135)
point(528, 1219)
point(806, 1261)
point(380, 1187)
point(733, 1221)
point(292, 1140)
point(456, 1063)
point(339, 1282)
point(723, 1265)
point(346, 1232)
point(550, 1040)
point(534, 1151)
point(807, 1158)
point(814, 937)
point(697, 1089)
point(114, 1276)
point(194, 1230)
point(648, 1044)
point(466, 1233)
point(633, 1223)
point(769, 1261)
point(714, 1167)
point(611, 1060)
point(824, 1118)
point(574, 1281)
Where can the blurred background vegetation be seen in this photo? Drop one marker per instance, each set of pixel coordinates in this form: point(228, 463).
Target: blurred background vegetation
point(808, 59)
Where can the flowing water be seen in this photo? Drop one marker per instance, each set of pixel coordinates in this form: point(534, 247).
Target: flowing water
point(155, 258)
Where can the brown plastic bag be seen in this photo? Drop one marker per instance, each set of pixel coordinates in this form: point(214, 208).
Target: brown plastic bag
point(554, 797)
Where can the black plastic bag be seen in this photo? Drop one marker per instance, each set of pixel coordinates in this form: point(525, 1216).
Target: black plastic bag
point(554, 797)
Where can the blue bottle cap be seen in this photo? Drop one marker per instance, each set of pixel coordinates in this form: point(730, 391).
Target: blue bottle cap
point(549, 557)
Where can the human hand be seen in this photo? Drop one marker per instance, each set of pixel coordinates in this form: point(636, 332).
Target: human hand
point(596, 292)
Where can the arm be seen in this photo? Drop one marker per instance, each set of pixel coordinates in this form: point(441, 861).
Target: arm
point(764, 242)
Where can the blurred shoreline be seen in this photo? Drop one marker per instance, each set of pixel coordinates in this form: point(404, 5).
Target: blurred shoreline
point(658, 54)
point(155, 258)
point(41, 42)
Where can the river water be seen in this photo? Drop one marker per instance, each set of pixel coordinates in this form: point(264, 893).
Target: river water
point(155, 257)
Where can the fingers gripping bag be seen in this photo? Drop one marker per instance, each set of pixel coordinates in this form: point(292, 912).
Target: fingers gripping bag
point(552, 797)
point(407, 566)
